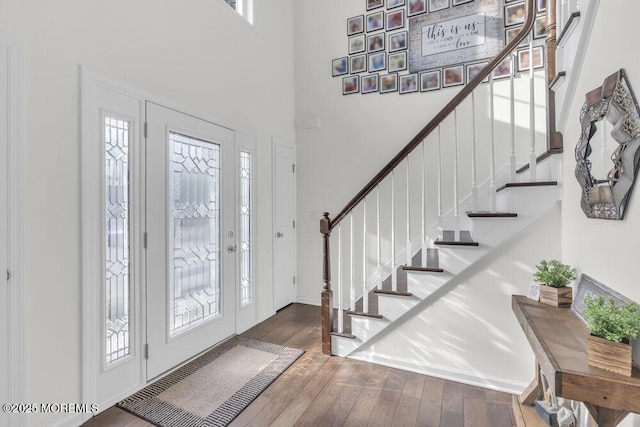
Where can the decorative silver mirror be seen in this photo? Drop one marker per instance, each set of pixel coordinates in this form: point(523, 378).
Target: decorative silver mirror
point(607, 197)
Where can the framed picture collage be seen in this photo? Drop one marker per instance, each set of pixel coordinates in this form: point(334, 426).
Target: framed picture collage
point(378, 43)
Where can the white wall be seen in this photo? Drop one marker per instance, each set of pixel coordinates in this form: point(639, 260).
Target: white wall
point(200, 55)
point(605, 250)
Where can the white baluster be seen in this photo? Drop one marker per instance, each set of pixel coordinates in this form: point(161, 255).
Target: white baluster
point(492, 187)
point(352, 270)
point(440, 220)
point(456, 198)
point(379, 255)
point(424, 207)
point(409, 248)
point(474, 157)
point(340, 312)
point(604, 154)
point(512, 121)
point(365, 291)
point(532, 118)
point(394, 273)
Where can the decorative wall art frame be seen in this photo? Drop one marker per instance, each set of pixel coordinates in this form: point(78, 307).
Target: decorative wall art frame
point(523, 58)
point(540, 27)
point(356, 44)
point(541, 5)
point(511, 33)
point(369, 83)
point(436, 5)
point(514, 14)
point(358, 64)
point(388, 83)
point(374, 4)
point(416, 7)
point(377, 62)
point(397, 41)
point(453, 76)
point(408, 83)
point(590, 287)
point(395, 20)
point(430, 80)
point(615, 102)
point(465, 33)
point(350, 85)
point(375, 42)
point(355, 25)
point(375, 21)
point(459, 2)
point(340, 66)
point(504, 69)
point(474, 69)
point(397, 62)
point(392, 4)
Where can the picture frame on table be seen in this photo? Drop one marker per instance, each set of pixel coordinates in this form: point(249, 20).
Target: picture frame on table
point(358, 64)
point(375, 42)
point(395, 20)
point(339, 66)
point(588, 286)
point(398, 41)
point(453, 76)
point(436, 5)
point(369, 83)
point(408, 83)
point(374, 4)
point(375, 21)
point(350, 84)
point(377, 62)
point(356, 44)
point(392, 4)
point(416, 7)
point(355, 25)
point(389, 83)
point(397, 61)
point(430, 80)
point(514, 14)
point(474, 69)
point(523, 59)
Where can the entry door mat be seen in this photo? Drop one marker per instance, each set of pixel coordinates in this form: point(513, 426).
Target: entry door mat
point(214, 388)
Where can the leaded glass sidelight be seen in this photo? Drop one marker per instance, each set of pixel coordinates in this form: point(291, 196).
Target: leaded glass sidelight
point(245, 228)
point(117, 279)
point(194, 232)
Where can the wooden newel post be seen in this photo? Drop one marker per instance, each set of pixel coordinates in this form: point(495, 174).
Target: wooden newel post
point(554, 138)
point(327, 293)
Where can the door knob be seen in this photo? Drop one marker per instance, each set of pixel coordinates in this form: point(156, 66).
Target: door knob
point(279, 235)
point(231, 248)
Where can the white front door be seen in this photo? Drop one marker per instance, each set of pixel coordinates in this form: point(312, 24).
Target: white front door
point(4, 234)
point(191, 240)
point(284, 257)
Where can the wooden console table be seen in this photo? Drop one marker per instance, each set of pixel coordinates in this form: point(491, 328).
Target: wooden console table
point(559, 341)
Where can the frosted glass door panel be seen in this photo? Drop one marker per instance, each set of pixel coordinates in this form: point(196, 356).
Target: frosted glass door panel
point(194, 232)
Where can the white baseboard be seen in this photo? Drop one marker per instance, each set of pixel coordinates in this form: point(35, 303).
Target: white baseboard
point(310, 301)
point(70, 421)
point(472, 378)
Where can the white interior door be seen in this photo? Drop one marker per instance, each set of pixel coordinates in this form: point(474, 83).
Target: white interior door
point(191, 237)
point(4, 236)
point(284, 256)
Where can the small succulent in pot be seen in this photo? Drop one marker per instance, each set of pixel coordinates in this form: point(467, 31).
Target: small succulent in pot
point(554, 273)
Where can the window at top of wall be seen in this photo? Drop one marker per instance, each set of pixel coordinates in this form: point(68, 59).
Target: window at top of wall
point(243, 7)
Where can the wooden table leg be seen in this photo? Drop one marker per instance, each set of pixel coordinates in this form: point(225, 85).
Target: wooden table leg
point(533, 391)
point(606, 417)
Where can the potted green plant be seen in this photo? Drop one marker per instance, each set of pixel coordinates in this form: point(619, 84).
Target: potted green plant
point(554, 277)
point(612, 328)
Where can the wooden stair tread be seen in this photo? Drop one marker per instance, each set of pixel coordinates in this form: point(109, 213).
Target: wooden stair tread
point(527, 184)
point(360, 313)
point(343, 335)
point(455, 243)
point(397, 293)
point(486, 214)
point(423, 269)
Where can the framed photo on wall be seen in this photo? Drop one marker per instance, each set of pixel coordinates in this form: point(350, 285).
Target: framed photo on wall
point(375, 43)
point(398, 41)
point(339, 66)
point(429, 80)
point(391, 4)
point(541, 5)
point(523, 59)
point(356, 44)
point(457, 2)
point(408, 83)
point(453, 76)
point(435, 5)
point(514, 14)
point(375, 21)
point(374, 4)
point(350, 85)
point(474, 69)
point(397, 61)
point(395, 20)
point(503, 69)
point(416, 7)
point(358, 64)
point(511, 33)
point(540, 27)
point(377, 62)
point(355, 25)
point(369, 83)
point(388, 83)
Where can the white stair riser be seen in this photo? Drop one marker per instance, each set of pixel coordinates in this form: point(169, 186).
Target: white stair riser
point(423, 284)
point(341, 346)
point(456, 259)
point(392, 307)
point(532, 200)
point(367, 327)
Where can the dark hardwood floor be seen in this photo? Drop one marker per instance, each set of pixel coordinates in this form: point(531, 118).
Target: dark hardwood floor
point(319, 390)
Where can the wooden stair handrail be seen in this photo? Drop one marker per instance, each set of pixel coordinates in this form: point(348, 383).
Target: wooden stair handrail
point(443, 114)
